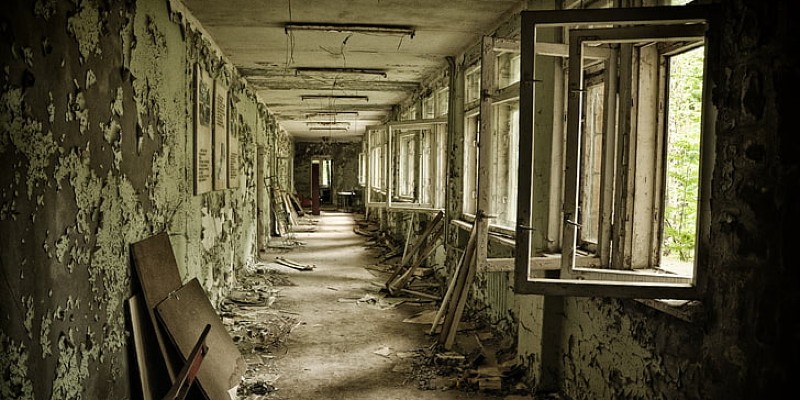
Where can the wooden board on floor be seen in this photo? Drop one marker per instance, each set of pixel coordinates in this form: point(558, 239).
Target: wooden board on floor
point(185, 314)
point(158, 275)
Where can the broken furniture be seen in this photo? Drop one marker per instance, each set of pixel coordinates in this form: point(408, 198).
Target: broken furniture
point(188, 373)
point(185, 313)
point(178, 315)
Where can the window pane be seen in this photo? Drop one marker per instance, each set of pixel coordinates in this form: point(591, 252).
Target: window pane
point(504, 174)
point(471, 164)
point(592, 159)
point(507, 69)
point(472, 85)
point(683, 161)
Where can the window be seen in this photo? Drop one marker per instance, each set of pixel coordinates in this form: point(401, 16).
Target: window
point(634, 200)
point(377, 161)
point(442, 101)
point(409, 114)
point(326, 172)
point(471, 129)
point(362, 169)
point(429, 107)
point(507, 69)
point(412, 174)
point(440, 161)
point(472, 85)
point(406, 165)
point(504, 166)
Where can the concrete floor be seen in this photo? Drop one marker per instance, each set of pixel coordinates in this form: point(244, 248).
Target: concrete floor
point(330, 354)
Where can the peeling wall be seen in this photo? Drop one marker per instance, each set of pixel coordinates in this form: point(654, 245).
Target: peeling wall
point(96, 130)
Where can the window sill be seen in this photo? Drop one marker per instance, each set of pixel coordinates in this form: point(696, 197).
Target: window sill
point(686, 310)
point(498, 234)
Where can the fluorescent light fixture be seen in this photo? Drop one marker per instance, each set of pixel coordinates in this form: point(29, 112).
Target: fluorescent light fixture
point(331, 113)
point(354, 28)
point(332, 97)
point(324, 70)
point(329, 128)
point(328, 123)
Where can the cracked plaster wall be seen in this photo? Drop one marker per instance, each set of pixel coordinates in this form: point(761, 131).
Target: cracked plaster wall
point(95, 134)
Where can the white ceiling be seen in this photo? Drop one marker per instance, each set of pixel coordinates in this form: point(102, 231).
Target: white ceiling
point(252, 35)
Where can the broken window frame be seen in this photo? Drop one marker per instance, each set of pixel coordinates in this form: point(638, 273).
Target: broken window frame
point(564, 275)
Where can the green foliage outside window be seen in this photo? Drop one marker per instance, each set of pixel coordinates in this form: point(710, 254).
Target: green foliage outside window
point(683, 155)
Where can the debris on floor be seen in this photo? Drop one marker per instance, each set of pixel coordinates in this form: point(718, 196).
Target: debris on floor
point(258, 329)
point(378, 301)
point(293, 264)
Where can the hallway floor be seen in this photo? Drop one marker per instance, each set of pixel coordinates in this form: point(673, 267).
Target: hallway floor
point(343, 346)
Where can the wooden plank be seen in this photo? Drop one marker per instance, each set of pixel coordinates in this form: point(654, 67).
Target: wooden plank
point(158, 275)
point(451, 287)
point(185, 313)
point(434, 224)
point(292, 264)
point(188, 373)
point(463, 281)
point(153, 378)
point(402, 280)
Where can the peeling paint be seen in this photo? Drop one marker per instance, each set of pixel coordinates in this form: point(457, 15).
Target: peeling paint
point(27, 136)
point(27, 302)
point(44, 335)
point(85, 27)
point(14, 369)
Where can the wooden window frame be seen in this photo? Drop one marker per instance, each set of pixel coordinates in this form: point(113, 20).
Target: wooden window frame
point(536, 273)
point(392, 130)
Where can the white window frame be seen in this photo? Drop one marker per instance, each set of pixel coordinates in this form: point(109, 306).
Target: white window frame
point(394, 198)
point(576, 276)
point(470, 175)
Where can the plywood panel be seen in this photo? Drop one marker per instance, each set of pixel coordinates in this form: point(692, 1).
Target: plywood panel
point(185, 314)
point(152, 377)
point(158, 275)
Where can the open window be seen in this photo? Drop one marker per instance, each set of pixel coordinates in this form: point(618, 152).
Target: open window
point(630, 196)
point(407, 164)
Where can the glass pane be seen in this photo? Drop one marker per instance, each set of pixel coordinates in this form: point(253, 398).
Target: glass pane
point(592, 159)
point(682, 161)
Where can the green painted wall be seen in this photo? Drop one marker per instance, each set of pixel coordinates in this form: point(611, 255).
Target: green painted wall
point(96, 124)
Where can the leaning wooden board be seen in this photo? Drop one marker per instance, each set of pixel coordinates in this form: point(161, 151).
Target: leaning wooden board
point(185, 314)
point(158, 275)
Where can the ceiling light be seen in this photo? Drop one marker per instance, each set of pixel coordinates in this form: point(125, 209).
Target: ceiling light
point(329, 128)
point(328, 123)
point(361, 71)
point(331, 113)
point(355, 28)
point(332, 97)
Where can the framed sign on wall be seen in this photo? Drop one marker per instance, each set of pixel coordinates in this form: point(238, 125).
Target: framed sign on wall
point(234, 130)
point(203, 139)
point(220, 136)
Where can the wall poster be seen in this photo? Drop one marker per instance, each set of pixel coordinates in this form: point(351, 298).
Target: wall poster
point(203, 142)
point(220, 136)
point(234, 130)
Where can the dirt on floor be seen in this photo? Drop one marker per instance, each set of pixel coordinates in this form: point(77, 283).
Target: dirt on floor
point(314, 321)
